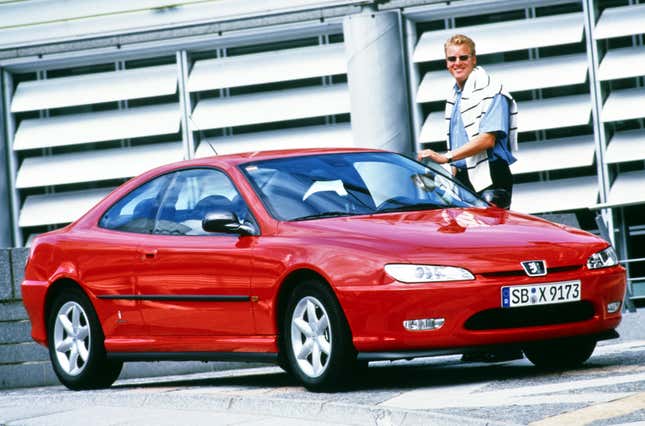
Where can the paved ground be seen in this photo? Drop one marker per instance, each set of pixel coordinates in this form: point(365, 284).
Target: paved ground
point(608, 390)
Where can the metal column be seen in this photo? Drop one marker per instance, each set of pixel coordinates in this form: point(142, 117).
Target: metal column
point(377, 83)
point(11, 170)
point(596, 107)
point(185, 106)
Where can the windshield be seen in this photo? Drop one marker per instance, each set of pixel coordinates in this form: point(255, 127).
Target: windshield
point(345, 184)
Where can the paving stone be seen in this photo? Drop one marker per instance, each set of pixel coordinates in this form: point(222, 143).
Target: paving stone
point(22, 352)
point(6, 283)
point(15, 332)
point(12, 311)
point(18, 261)
point(27, 375)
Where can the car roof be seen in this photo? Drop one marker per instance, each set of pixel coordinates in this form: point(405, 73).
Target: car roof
point(233, 160)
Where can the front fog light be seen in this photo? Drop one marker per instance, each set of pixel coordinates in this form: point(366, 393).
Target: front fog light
point(613, 307)
point(423, 324)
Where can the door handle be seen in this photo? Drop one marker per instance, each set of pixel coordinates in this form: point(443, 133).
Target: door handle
point(149, 253)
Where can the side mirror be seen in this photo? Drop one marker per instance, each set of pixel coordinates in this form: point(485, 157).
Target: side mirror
point(226, 222)
point(497, 197)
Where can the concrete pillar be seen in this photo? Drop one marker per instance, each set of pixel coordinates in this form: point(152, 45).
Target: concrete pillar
point(377, 81)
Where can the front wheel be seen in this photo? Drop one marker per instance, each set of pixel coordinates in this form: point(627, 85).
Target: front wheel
point(317, 340)
point(75, 341)
point(560, 354)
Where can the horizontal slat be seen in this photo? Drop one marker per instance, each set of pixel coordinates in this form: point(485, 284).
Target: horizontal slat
point(626, 146)
point(555, 195)
point(268, 67)
point(622, 63)
point(339, 135)
point(63, 207)
point(96, 165)
point(270, 107)
point(554, 113)
point(516, 76)
point(97, 126)
point(95, 88)
point(628, 189)
point(506, 36)
point(624, 105)
point(542, 114)
point(620, 21)
point(433, 129)
point(554, 154)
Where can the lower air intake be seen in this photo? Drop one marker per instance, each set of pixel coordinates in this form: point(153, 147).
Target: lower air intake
point(530, 316)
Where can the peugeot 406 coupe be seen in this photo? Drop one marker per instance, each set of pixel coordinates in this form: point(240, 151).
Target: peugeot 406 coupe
point(318, 260)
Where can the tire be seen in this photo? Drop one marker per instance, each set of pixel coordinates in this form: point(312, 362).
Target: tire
point(75, 341)
point(560, 354)
point(317, 341)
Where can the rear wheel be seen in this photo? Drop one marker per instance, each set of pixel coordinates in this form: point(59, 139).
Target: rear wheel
point(75, 341)
point(564, 353)
point(317, 340)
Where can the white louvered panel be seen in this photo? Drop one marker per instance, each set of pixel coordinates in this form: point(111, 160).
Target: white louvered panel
point(516, 76)
point(268, 67)
point(63, 207)
point(339, 135)
point(622, 63)
point(97, 126)
point(553, 113)
point(555, 195)
point(620, 21)
point(506, 36)
point(555, 154)
point(628, 189)
point(92, 166)
point(95, 88)
point(82, 19)
point(624, 104)
point(626, 146)
point(266, 107)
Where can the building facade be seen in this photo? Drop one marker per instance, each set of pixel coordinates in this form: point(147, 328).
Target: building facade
point(95, 92)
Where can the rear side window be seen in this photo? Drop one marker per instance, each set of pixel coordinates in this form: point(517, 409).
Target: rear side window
point(136, 211)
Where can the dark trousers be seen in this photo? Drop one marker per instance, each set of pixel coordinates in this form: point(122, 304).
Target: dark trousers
point(500, 174)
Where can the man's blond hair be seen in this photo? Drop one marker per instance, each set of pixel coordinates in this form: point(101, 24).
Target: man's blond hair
point(459, 39)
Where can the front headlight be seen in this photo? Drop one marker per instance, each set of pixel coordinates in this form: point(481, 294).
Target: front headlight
point(406, 273)
point(603, 259)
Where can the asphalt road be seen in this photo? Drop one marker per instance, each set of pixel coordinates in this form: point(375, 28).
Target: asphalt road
point(608, 390)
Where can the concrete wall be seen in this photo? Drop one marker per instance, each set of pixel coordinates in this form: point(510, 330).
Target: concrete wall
point(24, 363)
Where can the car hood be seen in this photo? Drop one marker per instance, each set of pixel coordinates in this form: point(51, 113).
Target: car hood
point(483, 240)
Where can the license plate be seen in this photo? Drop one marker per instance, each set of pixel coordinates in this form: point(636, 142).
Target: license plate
point(540, 294)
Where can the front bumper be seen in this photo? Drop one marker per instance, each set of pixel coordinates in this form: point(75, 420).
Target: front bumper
point(376, 313)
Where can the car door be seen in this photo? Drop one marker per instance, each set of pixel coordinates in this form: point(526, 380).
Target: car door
point(191, 282)
point(110, 254)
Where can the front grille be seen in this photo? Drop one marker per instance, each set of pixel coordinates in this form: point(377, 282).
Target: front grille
point(530, 316)
point(521, 273)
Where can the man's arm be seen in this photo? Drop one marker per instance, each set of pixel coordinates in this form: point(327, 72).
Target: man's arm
point(477, 144)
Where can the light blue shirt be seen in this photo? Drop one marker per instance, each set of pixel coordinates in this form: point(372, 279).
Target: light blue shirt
point(494, 121)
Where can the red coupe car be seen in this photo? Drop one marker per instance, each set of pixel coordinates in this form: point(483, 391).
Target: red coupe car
point(319, 260)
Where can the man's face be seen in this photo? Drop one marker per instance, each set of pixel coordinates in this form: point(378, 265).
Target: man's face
point(458, 68)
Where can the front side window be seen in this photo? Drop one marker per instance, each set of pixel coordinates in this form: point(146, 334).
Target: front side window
point(193, 194)
point(309, 187)
point(176, 204)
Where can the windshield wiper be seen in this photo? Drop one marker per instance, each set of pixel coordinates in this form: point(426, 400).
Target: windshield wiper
point(411, 207)
point(324, 215)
